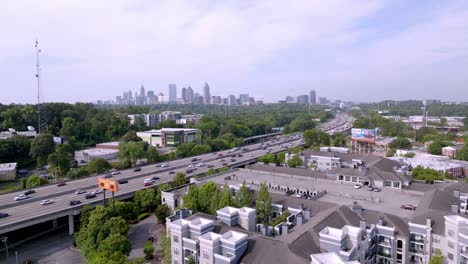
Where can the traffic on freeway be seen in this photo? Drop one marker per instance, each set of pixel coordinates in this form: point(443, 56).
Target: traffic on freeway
point(53, 199)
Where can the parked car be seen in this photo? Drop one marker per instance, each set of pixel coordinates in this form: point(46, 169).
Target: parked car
point(370, 188)
point(3, 215)
point(62, 183)
point(288, 192)
point(74, 202)
point(122, 181)
point(90, 195)
point(137, 169)
point(21, 197)
point(47, 201)
point(28, 192)
point(151, 239)
point(80, 191)
point(408, 207)
point(377, 189)
point(357, 186)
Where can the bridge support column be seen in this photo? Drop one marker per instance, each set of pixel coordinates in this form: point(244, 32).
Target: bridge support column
point(55, 223)
point(71, 224)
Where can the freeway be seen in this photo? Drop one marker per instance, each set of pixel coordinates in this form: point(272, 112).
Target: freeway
point(29, 212)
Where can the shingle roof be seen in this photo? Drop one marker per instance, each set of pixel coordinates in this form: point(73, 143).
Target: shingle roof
point(288, 170)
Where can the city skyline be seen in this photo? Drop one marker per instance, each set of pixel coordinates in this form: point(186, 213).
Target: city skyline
point(262, 48)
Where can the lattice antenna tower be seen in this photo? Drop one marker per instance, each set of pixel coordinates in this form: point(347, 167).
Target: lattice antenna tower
point(41, 120)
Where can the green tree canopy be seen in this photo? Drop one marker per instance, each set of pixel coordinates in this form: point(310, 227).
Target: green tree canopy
point(41, 147)
point(315, 137)
point(99, 165)
point(152, 155)
point(263, 205)
point(400, 143)
point(34, 181)
point(339, 140)
point(148, 250)
point(179, 179)
point(131, 136)
point(162, 212)
point(62, 158)
point(243, 196)
point(132, 151)
point(295, 161)
point(437, 257)
point(146, 200)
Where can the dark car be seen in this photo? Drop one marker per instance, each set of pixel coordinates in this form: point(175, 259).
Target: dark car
point(3, 215)
point(74, 202)
point(62, 183)
point(23, 172)
point(122, 181)
point(151, 238)
point(408, 207)
point(224, 164)
point(28, 192)
point(90, 195)
point(188, 171)
point(171, 172)
point(108, 175)
point(289, 192)
point(155, 178)
point(194, 159)
point(137, 169)
point(233, 160)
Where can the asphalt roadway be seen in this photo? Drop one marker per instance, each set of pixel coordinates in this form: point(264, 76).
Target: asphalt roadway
point(31, 209)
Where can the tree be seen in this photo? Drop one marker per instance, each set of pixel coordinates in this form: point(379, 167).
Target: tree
point(148, 250)
point(132, 151)
point(99, 165)
point(162, 212)
point(295, 161)
point(267, 159)
point(339, 140)
point(427, 174)
point(115, 243)
point(205, 195)
point(126, 210)
point(191, 260)
point(243, 196)
point(400, 143)
point(263, 205)
point(185, 149)
point(62, 158)
point(179, 179)
point(200, 149)
point(34, 181)
point(41, 147)
point(146, 200)
point(302, 123)
point(436, 147)
point(223, 169)
point(191, 200)
point(437, 257)
point(152, 155)
point(463, 153)
point(225, 197)
point(315, 137)
point(211, 171)
point(131, 136)
point(108, 258)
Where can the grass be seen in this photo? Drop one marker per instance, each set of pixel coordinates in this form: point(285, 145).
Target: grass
point(9, 186)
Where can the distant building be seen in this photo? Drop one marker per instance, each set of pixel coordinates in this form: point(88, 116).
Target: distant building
point(303, 99)
point(8, 171)
point(232, 100)
point(148, 119)
point(206, 93)
point(312, 97)
point(184, 95)
point(190, 95)
point(449, 151)
point(290, 99)
point(322, 100)
point(172, 93)
point(168, 137)
point(216, 99)
point(244, 99)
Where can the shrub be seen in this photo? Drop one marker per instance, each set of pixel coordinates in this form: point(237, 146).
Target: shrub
point(142, 216)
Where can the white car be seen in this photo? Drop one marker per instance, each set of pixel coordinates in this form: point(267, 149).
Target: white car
point(98, 191)
point(164, 165)
point(21, 197)
point(357, 186)
point(46, 202)
point(250, 155)
point(115, 172)
point(201, 164)
point(149, 180)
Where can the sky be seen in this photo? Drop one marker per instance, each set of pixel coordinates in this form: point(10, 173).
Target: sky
point(357, 50)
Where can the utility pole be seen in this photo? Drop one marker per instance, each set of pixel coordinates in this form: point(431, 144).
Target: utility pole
point(5, 240)
point(40, 123)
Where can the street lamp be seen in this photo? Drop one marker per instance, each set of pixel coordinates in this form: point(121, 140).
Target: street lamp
point(5, 240)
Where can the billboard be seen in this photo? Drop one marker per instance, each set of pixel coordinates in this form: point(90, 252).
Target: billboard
point(364, 135)
point(106, 184)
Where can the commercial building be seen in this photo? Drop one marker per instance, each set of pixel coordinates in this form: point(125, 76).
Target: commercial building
point(107, 150)
point(148, 119)
point(454, 168)
point(172, 93)
point(206, 93)
point(244, 99)
point(322, 100)
point(168, 137)
point(169, 115)
point(312, 97)
point(8, 171)
point(303, 99)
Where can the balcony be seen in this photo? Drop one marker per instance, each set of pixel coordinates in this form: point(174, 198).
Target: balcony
point(385, 241)
point(385, 254)
point(416, 250)
point(417, 238)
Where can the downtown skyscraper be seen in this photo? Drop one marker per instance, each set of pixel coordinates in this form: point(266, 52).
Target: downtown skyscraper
point(172, 93)
point(206, 93)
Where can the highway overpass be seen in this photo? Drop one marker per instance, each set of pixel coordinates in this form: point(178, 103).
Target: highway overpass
point(30, 212)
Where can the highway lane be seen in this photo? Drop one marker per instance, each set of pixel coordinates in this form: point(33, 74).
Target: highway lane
point(7, 200)
point(32, 210)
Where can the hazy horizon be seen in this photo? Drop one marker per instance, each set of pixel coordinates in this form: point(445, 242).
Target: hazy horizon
point(354, 50)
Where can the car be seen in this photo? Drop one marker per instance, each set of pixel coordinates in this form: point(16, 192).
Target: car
point(370, 188)
point(233, 160)
point(74, 202)
point(220, 154)
point(3, 215)
point(240, 155)
point(233, 156)
point(357, 186)
point(80, 191)
point(90, 195)
point(115, 172)
point(137, 169)
point(148, 183)
point(224, 164)
point(210, 166)
point(194, 159)
point(151, 239)
point(171, 172)
point(158, 165)
point(288, 192)
point(221, 160)
point(22, 197)
point(62, 183)
point(299, 195)
point(164, 165)
point(108, 175)
point(188, 171)
point(23, 172)
point(47, 201)
point(28, 192)
point(201, 164)
point(408, 207)
point(98, 191)
point(122, 181)
point(250, 155)
point(377, 190)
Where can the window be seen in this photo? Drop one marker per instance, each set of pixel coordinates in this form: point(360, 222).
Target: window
point(205, 254)
point(435, 239)
point(340, 177)
point(450, 244)
point(176, 251)
point(175, 239)
point(450, 232)
point(450, 256)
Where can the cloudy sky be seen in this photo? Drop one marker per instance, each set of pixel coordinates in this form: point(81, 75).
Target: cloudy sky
point(360, 50)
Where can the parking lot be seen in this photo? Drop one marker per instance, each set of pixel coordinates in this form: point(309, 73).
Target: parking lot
point(388, 201)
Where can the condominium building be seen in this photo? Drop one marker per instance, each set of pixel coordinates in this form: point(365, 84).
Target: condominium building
point(168, 137)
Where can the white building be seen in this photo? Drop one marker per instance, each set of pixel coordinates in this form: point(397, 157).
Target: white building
point(168, 137)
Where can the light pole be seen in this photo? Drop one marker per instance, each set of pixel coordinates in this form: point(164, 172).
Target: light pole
point(5, 240)
point(16, 256)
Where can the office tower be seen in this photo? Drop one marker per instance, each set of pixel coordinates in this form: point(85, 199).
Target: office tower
point(206, 93)
point(244, 99)
point(232, 99)
point(216, 99)
point(303, 99)
point(312, 97)
point(290, 99)
point(190, 95)
point(172, 93)
point(184, 95)
point(322, 100)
